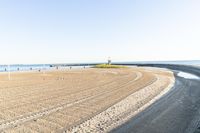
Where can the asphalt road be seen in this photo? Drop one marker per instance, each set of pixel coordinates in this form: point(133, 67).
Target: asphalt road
point(176, 112)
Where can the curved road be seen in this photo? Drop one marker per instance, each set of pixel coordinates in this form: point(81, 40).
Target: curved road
point(176, 112)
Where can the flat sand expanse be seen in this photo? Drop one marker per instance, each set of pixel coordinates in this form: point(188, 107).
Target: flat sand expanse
point(62, 101)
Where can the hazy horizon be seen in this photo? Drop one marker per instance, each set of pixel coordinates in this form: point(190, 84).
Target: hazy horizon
point(36, 32)
point(191, 62)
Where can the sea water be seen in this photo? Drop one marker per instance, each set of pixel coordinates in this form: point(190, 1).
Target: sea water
point(187, 75)
point(187, 62)
point(4, 68)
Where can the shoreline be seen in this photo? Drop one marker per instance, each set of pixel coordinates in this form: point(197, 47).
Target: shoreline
point(124, 110)
point(175, 112)
point(45, 70)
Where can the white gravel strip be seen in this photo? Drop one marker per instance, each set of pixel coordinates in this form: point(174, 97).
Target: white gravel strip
point(125, 109)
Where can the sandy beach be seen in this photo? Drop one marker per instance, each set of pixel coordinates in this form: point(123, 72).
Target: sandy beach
point(80, 100)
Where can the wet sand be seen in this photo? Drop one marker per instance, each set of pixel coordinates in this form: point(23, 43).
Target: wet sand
point(59, 101)
point(176, 112)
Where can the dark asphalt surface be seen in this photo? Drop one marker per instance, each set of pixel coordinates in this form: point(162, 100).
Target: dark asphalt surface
point(176, 112)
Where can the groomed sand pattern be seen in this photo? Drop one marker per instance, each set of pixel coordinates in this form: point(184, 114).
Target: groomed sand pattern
point(72, 100)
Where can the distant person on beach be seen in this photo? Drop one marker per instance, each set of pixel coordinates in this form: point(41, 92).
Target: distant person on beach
point(5, 69)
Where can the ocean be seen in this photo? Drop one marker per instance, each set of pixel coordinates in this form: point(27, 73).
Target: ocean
point(187, 62)
point(4, 68)
point(12, 68)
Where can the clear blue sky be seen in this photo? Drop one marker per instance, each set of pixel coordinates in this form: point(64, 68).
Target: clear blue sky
point(62, 31)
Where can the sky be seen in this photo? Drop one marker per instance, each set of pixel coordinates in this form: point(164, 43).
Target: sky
point(72, 31)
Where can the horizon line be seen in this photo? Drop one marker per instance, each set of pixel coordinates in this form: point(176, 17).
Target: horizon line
point(99, 62)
